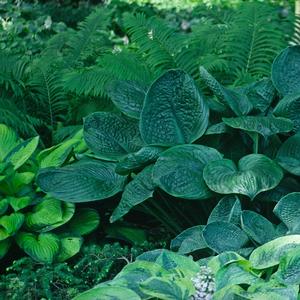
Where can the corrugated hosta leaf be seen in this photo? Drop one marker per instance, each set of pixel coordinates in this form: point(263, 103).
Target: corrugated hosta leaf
point(128, 96)
point(83, 181)
point(269, 254)
point(288, 211)
point(224, 236)
point(265, 126)
point(288, 155)
point(286, 71)
point(111, 136)
point(174, 111)
point(255, 173)
point(8, 140)
point(69, 246)
point(178, 170)
point(10, 224)
point(137, 191)
point(43, 247)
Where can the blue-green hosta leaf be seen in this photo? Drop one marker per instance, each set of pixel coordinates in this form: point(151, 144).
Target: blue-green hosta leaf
point(255, 173)
point(230, 292)
point(289, 268)
point(178, 170)
point(218, 128)
point(4, 247)
point(288, 211)
point(227, 210)
point(111, 136)
point(237, 102)
point(269, 254)
point(257, 227)
point(224, 236)
point(8, 141)
point(189, 240)
point(136, 161)
point(266, 126)
point(22, 152)
point(83, 181)
point(289, 107)
point(128, 96)
point(9, 225)
point(18, 203)
point(43, 247)
point(84, 221)
point(174, 111)
point(108, 293)
point(288, 155)
point(69, 246)
point(137, 191)
point(286, 72)
point(49, 214)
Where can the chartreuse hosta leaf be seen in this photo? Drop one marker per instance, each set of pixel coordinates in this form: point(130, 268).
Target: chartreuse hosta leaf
point(265, 126)
point(288, 155)
point(257, 227)
point(10, 224)
point(42, 247)
point(227, 210)
point(255, 173)
point(288, 211)
point(22, 152)
point(136, 161)
point(137, 191)
point(237, 102)
point(174, 111)
point(8, 140)
point(269, 254)
point(128, 96)
point(111, 136)
point(86, 180)
point(49, 214)
point(69, 246)
point(224, 236)
point(178, 170)
point(286, 71)
point(189, 240)
point(4, 247)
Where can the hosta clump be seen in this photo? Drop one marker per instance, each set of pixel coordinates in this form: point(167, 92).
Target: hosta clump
point(204, 284)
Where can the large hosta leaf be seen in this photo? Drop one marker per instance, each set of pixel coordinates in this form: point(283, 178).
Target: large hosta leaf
point(269, 254)
point(286, 71)
point(137, 191)
point(255, 173)
point(266, 126)
point(9, 225)
point(288, 155)
point(174, 111)
point(43, 247)
point(288, 211)
point(178, 171)
point(69, 246)
point(128, 96)
point(86, 180)
point(111, 136)
point(8, 141)
point(224, 236)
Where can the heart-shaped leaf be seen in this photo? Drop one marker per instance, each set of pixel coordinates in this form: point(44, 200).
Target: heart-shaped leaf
point(174, 111)
point(285, 71)
point(257, 227)
point(69, 246)
point(255, 173)
point(266, 126)
point(128, 96)
point(9, 225)
point(224, 236)
point(43, 247)
point(83, 181)
point(269, 254)
point(178, 170)
point(288, 155)
point(227, 210)
point(111, 136)
point(288, 211)
point(8, 141)
point(137, 191)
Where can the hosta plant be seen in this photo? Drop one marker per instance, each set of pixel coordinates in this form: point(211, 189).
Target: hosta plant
point(46, 228)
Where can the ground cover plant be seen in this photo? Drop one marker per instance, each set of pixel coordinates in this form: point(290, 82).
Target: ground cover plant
point(149, 151)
